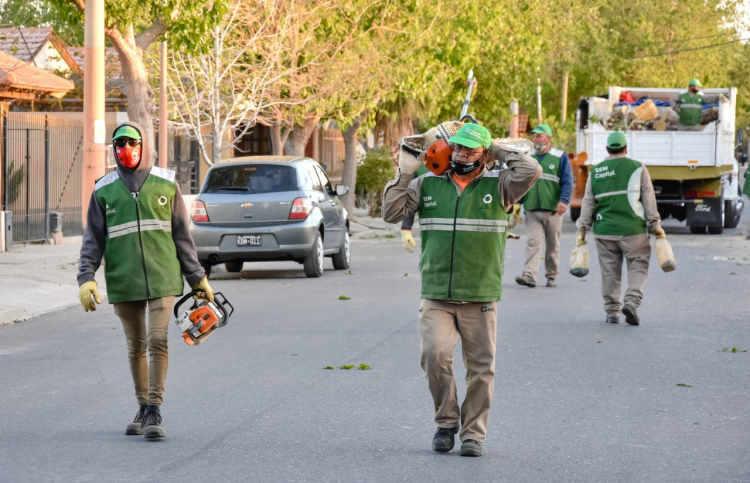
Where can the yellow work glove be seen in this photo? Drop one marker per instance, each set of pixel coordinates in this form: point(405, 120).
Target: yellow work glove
point(517, 213)
point(205, 290)
point(85, 291)
point(580, 238)
point(659, 232)
point(408, 240)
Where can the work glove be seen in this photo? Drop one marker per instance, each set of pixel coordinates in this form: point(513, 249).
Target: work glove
point(515, 218)
point(408, 240)
point(85, 291)
point(408, 159)
point(659, 232)
point(204, 290)
point(580, 238)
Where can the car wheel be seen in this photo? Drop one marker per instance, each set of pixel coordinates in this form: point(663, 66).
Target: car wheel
point(698, 230)
point(342, 259)
point(313, 262)
point(575, 213)
point(206, 267)
point(234, 266)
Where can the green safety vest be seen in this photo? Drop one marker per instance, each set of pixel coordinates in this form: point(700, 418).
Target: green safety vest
point(140, 258)
point(463, 239)
point(545, 194)
point(691, 109)
point(616, 184)
point(746, 188)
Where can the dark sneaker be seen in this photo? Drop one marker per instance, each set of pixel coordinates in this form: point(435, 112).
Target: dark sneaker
point(613, 319)
point(136, 427)
point(471, 447)
point(631, 316)
point(526, 281)
point(152, 428)
point(443, 440)
point(551, 282)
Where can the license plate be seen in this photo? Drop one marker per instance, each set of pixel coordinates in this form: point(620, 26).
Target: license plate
point(245, 240)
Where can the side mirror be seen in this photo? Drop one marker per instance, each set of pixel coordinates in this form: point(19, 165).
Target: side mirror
point(341, 190)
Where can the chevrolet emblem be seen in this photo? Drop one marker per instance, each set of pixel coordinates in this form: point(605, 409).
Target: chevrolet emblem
point(247, 205)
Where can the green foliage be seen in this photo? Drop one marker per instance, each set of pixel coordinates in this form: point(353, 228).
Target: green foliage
point(64, 19)
point(374, 172)
point(733, 350)
point(347, 367)
point(329, 368)
point(364, 367)
point(683, 385)
point(344, 297)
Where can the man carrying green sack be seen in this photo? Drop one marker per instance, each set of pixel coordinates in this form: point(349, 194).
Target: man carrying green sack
point(620, 204)
point(463, 216)
point(138, 224)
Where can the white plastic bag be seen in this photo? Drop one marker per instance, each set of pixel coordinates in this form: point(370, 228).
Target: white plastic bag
point(579, 261)
point(664, 255)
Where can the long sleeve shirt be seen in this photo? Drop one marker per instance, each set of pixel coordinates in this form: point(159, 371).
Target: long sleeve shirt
point(648, 199)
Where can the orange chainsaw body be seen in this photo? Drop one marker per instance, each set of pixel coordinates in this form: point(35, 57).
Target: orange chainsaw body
point(204, 318)
point(438, 157)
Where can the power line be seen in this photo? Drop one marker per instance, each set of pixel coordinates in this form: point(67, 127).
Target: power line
point(680, 40)
point(686, 50)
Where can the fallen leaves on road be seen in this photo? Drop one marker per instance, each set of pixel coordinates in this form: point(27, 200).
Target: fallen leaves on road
point(344, 297)
point(683, 385)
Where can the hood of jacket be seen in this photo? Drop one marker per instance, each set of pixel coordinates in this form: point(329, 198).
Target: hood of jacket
point(135, 177)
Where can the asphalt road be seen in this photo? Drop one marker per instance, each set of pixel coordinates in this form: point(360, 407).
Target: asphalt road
point(575, 399)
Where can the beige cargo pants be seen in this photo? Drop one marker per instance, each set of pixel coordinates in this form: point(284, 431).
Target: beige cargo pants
point(441, 325)
point(543, 226)
point(636, 250)
point(149, 376)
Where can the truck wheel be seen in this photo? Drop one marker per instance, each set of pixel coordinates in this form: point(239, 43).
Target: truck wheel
point(313, 262)
point(575, 213)
point(718, 230)
point(206, 267)
point(733, 212)
point(698, 230)
point(234, 266)
point(342, 259)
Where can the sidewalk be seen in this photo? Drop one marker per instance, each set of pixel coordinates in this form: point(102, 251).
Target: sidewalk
point(364, 226)
point(38, 279)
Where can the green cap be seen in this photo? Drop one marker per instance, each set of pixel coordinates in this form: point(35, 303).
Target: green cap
point(126, 131)
point(472, 136)
point(616, 140)
point(695, 82)
point(542, 129)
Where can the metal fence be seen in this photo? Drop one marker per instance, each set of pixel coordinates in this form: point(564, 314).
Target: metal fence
point(43, 172)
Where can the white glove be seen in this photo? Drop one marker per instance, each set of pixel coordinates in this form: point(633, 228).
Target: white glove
point(408, 162)
point(501, 147)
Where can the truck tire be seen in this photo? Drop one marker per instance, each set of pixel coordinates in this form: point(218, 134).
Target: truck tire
point(718, 230)
point(313, 262)
point(698, 230)
point(733, 212)
point(342, 259)
point(575, 213)
point(234, 266)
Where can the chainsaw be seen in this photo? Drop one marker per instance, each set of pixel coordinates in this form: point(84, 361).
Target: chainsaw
point(203, 318)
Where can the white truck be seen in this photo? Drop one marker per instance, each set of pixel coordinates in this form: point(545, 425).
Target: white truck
point(695, 173)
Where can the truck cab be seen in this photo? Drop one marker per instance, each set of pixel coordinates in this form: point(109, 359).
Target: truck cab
point(695, 173)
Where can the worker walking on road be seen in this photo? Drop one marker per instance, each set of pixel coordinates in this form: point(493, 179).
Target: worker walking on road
point(689, 105)
point(620, 204)
point(544, 205)
point(138, 223)
point(463, 217)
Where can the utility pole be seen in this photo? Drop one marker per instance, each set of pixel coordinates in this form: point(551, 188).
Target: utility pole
point(94, 127)
point(564, 115)
point(539, 100)
point(514, 118)
point(163, 136)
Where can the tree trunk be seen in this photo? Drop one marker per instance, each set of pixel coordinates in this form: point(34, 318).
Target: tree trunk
point(297, 141)
point(277, 147)
point(349, 177)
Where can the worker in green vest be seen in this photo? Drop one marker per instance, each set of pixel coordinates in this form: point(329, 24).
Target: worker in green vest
point(746, 191)
point(138, 224)
point(689, 105)
point(620, 204)
point(544, 205)
point(463, 217)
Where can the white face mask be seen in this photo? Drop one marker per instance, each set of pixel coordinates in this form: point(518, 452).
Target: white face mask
point(540, 147)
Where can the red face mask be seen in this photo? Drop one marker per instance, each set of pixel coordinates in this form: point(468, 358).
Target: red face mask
point(128, 156)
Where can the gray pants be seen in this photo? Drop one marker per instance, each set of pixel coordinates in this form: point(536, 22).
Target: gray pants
point(542, 226)
point(636, 250)
point(441, 325)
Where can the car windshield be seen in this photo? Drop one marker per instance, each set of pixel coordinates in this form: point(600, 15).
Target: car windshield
point(252, 178)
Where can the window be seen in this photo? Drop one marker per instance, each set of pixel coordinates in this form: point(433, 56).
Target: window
point(324, 180)
point(252, 178)
point(315, 180)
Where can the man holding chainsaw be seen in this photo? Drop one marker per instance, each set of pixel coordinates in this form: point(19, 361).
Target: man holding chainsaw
point(463, 217)
point(138, 223)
